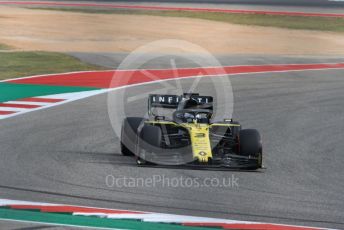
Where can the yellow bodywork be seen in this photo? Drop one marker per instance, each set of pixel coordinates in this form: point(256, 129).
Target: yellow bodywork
point(199, 134)
point(200, 141)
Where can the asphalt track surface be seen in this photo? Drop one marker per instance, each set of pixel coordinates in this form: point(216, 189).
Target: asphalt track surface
point(64, 154)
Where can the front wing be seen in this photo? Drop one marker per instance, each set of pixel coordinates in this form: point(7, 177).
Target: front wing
point(229, 161)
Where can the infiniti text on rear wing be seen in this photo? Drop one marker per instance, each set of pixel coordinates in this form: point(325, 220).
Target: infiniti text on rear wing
point(172, 101)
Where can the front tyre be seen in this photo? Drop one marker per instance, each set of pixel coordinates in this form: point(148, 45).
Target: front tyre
point(250, 144)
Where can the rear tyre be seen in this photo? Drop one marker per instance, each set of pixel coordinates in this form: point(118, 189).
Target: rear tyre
point(129, 135)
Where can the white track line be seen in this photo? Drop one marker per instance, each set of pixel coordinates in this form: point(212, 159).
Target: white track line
point(28, 103)
point(12, 109)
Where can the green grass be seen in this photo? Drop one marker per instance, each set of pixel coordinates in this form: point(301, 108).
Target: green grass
point(280, 21)
point(20, 64)
point(5, 47)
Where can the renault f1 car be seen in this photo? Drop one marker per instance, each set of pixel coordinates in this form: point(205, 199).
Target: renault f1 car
point(189, 137)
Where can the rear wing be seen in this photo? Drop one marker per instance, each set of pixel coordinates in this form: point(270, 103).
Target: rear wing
point(172, 101)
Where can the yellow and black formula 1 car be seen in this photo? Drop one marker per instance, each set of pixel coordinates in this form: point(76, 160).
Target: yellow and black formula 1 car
point(189, 138)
